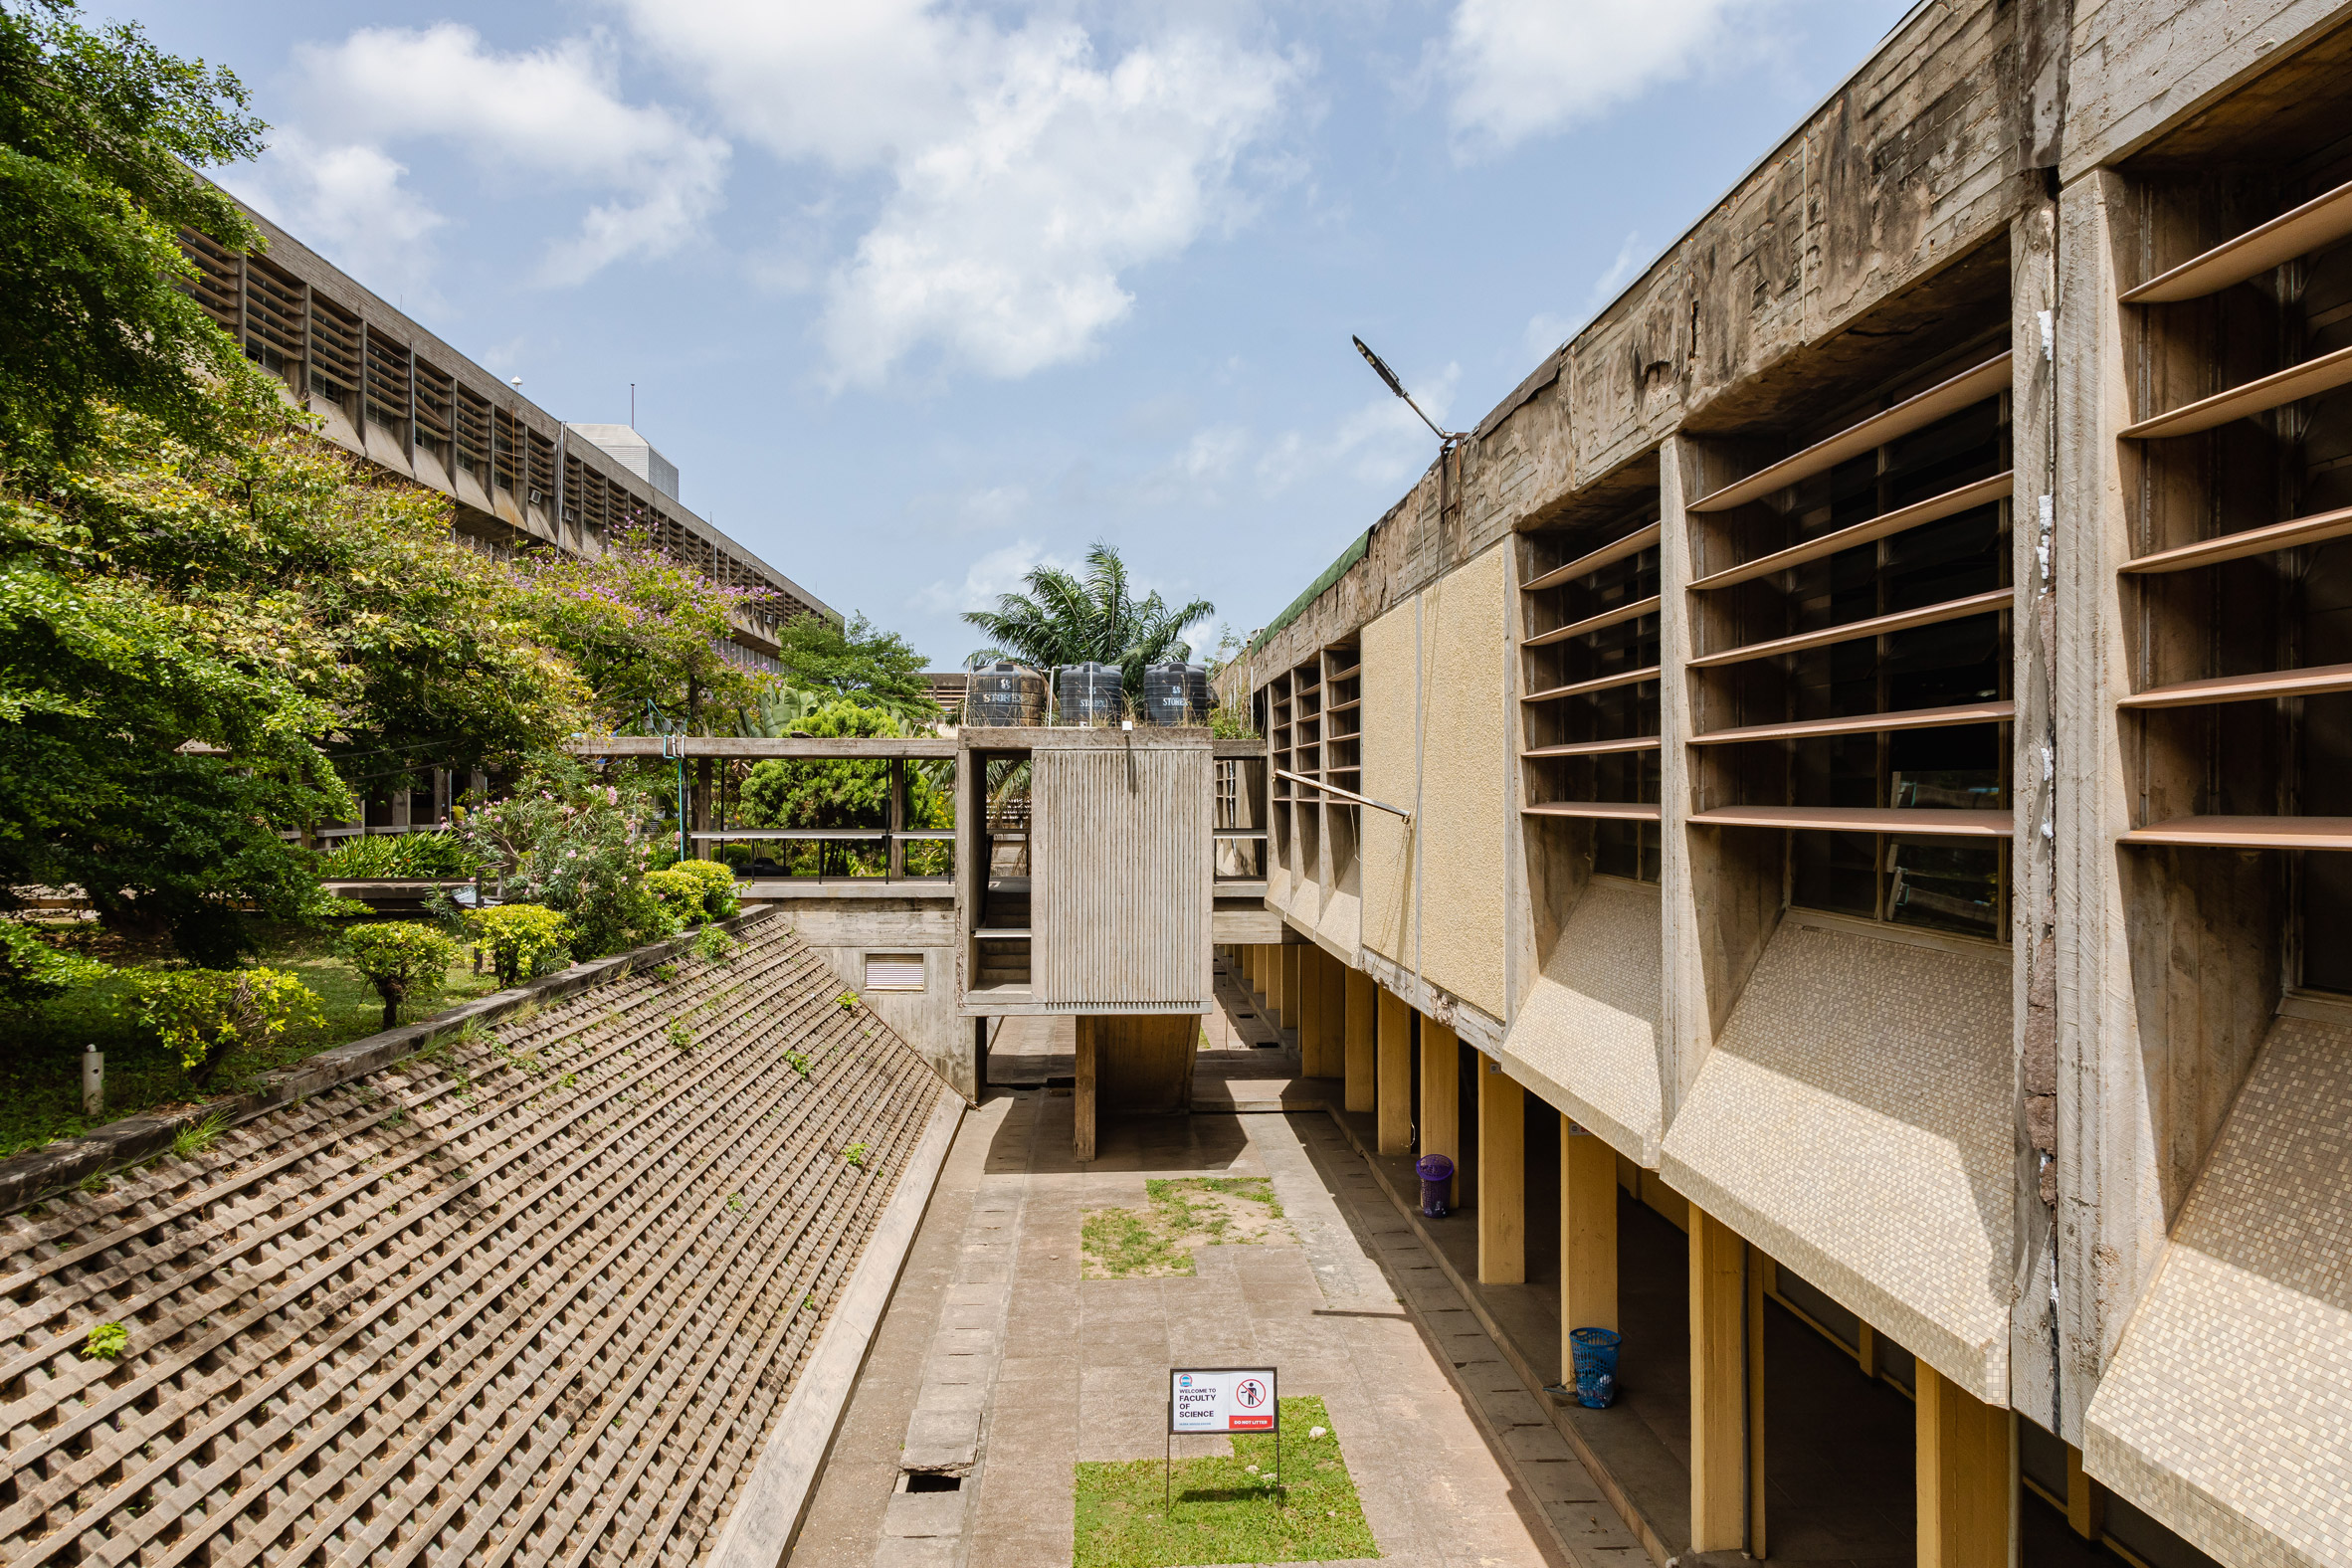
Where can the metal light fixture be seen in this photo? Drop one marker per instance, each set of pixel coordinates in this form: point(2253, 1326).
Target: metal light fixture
point(1389, 378)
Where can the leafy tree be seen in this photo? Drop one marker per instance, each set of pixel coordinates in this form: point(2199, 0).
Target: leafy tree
point(100, 136)
point(193, 641)
point(795, 792)
point(642, 627)
point(1072, 617)
point(400, 961)
point(859, 664)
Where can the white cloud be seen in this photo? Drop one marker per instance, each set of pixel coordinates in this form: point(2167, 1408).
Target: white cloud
point(1520, 67)
point(544, 116)
point(1026, 175)
point(349, 203)
point(1000, 571)
point(1382, 442)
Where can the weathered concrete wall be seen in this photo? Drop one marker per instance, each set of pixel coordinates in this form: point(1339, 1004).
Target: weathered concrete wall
point(1392, 772)
point(845, 931)
point(1466, 783)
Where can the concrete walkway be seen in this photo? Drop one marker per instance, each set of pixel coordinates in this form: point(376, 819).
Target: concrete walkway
point(998, 1361)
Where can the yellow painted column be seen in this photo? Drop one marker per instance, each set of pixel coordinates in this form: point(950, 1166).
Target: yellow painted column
point(2087, 1499)
point(1964, 1475)
point(1082, 1097)
point(1249, 965)
point(1309, 998)
point(1502, 1176)
point(1362, 1025)
point(1331, 1014)
point(1718, 1387)
point(1588, 1236)
point(1441, 1100)
point(1758, 1492)
point(1293, 974)
point(1392, 1111)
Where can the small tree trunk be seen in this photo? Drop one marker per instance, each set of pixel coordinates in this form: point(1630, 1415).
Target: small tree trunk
point(392, 995)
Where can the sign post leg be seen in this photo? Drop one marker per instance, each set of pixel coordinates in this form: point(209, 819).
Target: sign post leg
point(1167, 1474)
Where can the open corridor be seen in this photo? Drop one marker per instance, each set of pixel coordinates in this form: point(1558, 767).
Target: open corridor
point(997, 1356)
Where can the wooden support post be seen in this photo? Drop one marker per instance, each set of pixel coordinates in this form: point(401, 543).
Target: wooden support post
point(1965, 1475)
point(1392, 1110)
point(1362, 1025)
point(2087, 1499)
point(1502, 1176)
point(1718, 1387)
point(1588, 1236)
point(1755, 1317)
point(1441, 1100)
point(1082, 1097)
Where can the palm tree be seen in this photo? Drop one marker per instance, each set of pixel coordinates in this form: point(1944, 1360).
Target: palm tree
point(1076, 618)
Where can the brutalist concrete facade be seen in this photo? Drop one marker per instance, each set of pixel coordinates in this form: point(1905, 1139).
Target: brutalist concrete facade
point(1982, 966)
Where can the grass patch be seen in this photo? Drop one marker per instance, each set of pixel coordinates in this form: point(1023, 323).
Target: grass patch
point(41, 1047)
point(1223, 1511)
point(1184, 1212)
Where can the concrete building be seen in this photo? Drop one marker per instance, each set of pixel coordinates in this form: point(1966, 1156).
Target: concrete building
point(1850, 757)
point(391, 392)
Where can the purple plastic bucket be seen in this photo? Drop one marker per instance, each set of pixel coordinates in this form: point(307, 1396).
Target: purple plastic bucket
point(1435, 1171)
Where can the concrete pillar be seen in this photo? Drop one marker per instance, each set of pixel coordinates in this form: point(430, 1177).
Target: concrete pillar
point(1082, 1099)
point(1964, 1476)
point(1361, 1029)
point(2087, 1499)
point(1307, 1018)
point(1331, 1016)
point(1502, 1176)
point(1718, 1387)
point(1392, 1111)
point(1441, 1100)
point(1294, 974)
point(1588, 1235)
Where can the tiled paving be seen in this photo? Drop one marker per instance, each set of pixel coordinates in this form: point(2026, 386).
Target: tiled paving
point(1451, 1454)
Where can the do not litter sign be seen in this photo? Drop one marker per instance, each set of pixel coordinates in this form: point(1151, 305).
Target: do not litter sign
point(1222, 1399)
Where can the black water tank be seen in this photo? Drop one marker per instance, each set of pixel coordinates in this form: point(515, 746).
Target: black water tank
point(1089, 693)
point(1005, 693)
point(1167, 694)
point(1204, 700)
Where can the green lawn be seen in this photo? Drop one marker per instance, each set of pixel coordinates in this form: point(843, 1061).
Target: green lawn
point(1186, 1211)
point(1225, 1511)
point(41, 1047)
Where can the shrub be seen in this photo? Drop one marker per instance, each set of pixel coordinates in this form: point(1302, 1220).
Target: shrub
point(33, 971)
point(521, 938)
point(202, 1014)
point(400, 961)
point(720, 899)
point(737, 856)
point(714, 947)
point(418, 854)
point(581, 849)
point(105, 1341)
point(679, 891)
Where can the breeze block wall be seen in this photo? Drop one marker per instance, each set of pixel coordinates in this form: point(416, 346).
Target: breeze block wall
point(532, 1296)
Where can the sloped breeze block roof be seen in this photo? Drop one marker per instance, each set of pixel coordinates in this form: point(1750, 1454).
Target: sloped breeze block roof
point(532, 1299)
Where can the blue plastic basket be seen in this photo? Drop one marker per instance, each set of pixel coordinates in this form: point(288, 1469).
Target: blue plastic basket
point(1595, 1350)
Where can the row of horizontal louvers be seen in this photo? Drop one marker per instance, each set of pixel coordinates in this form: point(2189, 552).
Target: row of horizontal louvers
point(322, 351)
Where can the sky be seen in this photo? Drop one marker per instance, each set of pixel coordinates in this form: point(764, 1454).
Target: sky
point(919, 295)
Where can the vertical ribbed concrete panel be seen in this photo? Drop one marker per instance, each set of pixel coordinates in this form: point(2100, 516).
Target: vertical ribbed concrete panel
point(1119, 878)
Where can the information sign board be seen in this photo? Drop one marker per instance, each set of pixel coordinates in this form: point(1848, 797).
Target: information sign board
point(1222, 1399)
